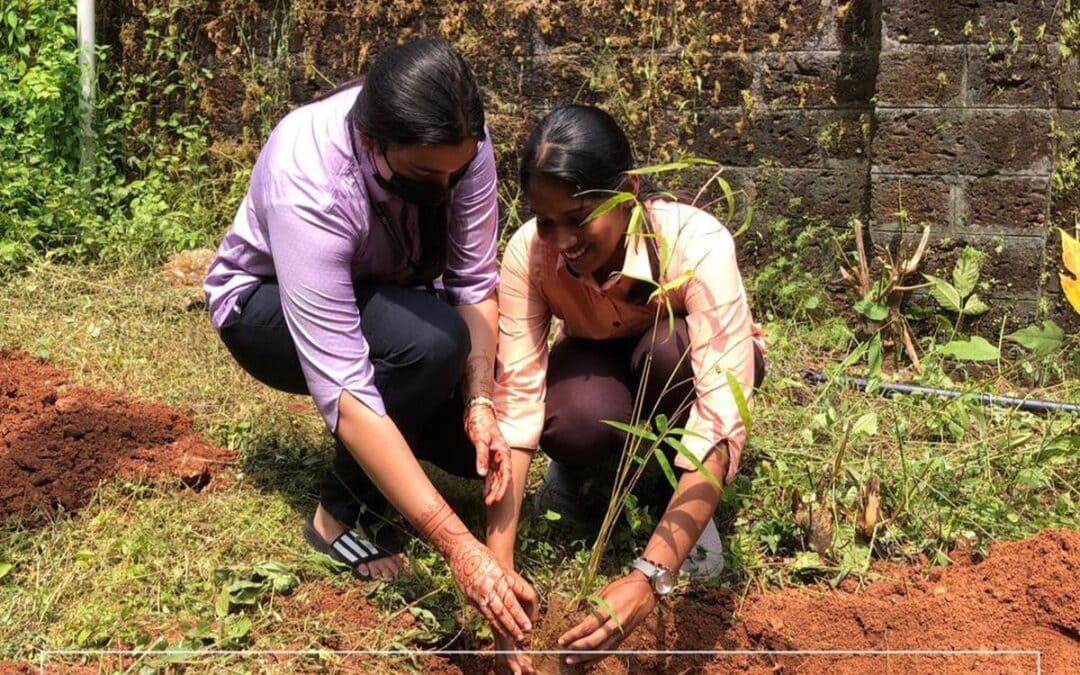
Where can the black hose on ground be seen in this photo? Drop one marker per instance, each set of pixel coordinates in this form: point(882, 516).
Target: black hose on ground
point(889, 388)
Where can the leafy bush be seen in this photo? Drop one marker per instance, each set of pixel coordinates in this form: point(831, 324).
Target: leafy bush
point(153, 190)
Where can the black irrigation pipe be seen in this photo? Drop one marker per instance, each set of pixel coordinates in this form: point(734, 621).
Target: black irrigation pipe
point(889, 388)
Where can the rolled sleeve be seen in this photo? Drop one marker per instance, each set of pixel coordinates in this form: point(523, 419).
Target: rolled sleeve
point(313, 247)
point(721, 333)
point(471, 272)
point(522, 360)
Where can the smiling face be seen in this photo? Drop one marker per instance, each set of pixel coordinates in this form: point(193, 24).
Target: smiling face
point(593, 248)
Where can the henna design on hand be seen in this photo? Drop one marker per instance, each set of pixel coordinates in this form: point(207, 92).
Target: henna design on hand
point(477, 573)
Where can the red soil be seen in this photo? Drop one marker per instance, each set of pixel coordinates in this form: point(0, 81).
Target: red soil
point(58, 442)
point(1024, 597)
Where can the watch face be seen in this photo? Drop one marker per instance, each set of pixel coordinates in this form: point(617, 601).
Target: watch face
point(664, 582)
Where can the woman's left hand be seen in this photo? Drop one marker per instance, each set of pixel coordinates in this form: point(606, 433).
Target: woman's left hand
point(631, 598)
point(492, 452)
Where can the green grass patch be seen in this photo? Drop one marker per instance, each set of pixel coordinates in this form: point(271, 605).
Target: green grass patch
point(149, 565)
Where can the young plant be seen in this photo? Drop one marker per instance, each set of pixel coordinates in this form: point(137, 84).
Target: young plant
point(649, 434)
point(960, 298)
point(880, 300)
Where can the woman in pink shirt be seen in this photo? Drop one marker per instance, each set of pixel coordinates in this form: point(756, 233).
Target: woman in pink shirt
point(596, 280)
point(360, 270)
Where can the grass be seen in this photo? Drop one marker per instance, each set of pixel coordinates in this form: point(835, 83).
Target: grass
point(147, 565)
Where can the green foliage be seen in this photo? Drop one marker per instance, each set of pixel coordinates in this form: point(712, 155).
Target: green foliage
point(951, 473)
point(959, 297)
point(790, 281)
point(152, 189)
point(1042, 342)
point(975, 349)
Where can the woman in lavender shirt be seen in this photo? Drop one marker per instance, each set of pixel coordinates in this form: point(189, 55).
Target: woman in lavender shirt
point(360, 270)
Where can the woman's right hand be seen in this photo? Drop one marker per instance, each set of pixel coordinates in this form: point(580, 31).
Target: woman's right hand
point(504, 598)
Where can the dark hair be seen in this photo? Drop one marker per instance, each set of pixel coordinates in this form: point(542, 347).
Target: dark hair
point(420, 93)
point(580, 145)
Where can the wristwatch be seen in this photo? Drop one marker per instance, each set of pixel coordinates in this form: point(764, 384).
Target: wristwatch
point(661, 578)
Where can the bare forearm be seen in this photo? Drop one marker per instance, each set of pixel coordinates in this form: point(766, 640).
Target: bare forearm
point(382, 452)
point(504, 515)
point(688, 512)
point(482, 320)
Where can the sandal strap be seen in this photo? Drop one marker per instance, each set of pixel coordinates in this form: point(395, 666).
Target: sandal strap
point(355, 550)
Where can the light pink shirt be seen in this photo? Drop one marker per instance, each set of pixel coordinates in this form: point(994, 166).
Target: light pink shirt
point(536, 286)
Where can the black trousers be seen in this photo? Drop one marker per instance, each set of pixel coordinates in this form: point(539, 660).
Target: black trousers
point(418, 345)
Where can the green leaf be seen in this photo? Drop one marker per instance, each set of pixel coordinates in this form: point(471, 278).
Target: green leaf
point(865, 425)
point(974, 306)
point(637, 219)
point(966, 273)
point(946, 296)
point(692, 458)
point(603, 604)
point(674, 284)
point(665, 466)
point(635, 431)
point(221, 607)
point(5, 569)
point(238, 629)
point(609, 204)
point(873, 356)
point(748, 218)
point(806, 560)
point(875, 311)
point(672, 166)
point(244, 592)
point(975, 349)
point(551, 515)
point(1040, 341)
point(740, 401)
point(661, 423)
point(281, 577)
point(729, 196)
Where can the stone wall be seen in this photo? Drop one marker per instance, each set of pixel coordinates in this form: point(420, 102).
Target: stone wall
point(961, 114)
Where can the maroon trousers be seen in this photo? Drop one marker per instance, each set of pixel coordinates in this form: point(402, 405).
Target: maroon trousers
point(593, 380)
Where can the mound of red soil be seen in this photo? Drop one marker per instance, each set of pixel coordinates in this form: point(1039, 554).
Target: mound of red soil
point(1024, 597)
point(58, 442)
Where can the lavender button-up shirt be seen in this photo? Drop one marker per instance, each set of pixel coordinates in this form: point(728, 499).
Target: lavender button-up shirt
point(309, 220)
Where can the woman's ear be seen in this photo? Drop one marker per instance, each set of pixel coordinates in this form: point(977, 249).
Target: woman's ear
point(633, 184)
point(366, 141)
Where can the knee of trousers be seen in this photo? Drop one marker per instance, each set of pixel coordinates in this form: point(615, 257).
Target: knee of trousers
point(576, 435)
point(442, 351)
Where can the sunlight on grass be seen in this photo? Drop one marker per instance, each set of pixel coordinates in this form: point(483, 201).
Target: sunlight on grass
point(147, 565)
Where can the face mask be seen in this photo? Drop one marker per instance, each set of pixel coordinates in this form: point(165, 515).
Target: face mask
point(418, 192)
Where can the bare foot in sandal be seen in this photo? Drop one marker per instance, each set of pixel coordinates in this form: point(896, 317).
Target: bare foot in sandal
point(354, 552)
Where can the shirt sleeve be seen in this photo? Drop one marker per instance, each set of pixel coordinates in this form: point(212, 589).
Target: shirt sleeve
point(522, 360)
point(722, 339)
point(471, 273)
point(313, 246)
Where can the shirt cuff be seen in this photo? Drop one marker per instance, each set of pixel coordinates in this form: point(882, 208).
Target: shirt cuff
point(701, 445)
point(472, 294)
point(523, 429)
point(329, 400)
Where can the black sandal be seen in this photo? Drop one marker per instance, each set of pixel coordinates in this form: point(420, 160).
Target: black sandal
point(354, 549)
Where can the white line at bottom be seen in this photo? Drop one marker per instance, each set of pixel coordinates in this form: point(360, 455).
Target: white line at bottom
point(322, 653)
